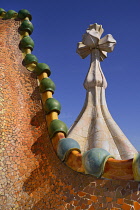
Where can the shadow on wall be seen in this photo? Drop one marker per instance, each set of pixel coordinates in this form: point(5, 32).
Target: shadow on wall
point(53, 185)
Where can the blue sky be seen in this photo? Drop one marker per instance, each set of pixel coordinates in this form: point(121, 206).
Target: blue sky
point(59, 25)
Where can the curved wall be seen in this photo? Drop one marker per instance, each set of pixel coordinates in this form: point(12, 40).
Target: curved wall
point(32, 176)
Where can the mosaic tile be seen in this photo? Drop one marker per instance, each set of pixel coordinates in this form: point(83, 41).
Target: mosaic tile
point(32, 176)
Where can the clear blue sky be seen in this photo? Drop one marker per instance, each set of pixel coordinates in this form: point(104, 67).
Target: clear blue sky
point(59, 25)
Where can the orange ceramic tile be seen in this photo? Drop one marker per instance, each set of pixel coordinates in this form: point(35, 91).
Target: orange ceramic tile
point(120, 201)
point(81, 194)
point(108, 199)
point(77, 208)
point(126, 206)
point(92, 208)
point(137, 205)
point(94, 198)
point(83, 206)
point(89, 202)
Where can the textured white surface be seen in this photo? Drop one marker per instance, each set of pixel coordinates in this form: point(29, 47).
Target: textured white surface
point(95, 127)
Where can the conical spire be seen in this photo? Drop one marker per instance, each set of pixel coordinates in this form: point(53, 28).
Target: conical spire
point(95, 127)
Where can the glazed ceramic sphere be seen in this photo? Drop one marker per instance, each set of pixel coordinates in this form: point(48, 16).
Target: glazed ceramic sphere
point(23, 13)
point(52, 104)
point(42, 67)
point(57, 126)
point(26, 42)
point(94, 161)
point(65, 146)
point(47, 84)
point(26, 26)
point(30, 58)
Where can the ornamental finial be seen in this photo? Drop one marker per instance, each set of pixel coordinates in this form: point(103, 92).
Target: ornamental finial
point(95, 127)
